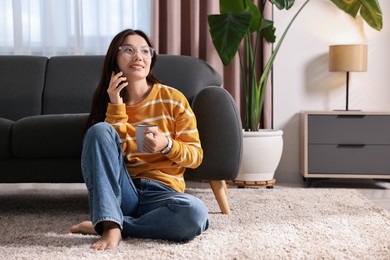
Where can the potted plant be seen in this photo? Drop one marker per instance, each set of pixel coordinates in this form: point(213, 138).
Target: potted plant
point(241, 24)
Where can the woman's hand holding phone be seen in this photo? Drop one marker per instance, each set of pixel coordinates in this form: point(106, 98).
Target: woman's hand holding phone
point(117, 84)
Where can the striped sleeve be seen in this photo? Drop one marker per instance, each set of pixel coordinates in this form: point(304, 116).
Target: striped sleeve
point(186, 147)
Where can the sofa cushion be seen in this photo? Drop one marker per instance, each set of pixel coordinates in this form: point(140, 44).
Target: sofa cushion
point(5, 137)
point(70, 83)
point(21, 85)
point(49, 136)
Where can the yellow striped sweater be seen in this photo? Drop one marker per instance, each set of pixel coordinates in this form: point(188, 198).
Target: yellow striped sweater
point(167, 108)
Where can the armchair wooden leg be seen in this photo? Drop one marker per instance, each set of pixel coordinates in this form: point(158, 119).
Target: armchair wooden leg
point(220, 192)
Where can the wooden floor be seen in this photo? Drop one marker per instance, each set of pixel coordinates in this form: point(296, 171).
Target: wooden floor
point(379, 197)
point(376, 191)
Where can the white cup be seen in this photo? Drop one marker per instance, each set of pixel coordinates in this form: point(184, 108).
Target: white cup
point(140, 135)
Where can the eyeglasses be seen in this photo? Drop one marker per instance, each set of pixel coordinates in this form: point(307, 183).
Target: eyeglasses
point(146, 52)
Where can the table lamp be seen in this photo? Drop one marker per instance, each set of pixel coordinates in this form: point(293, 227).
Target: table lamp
point(348, 58)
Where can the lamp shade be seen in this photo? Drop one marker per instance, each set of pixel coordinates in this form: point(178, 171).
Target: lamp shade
point(348, 57)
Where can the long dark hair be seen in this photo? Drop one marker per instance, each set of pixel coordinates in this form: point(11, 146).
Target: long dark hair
point(100, 97)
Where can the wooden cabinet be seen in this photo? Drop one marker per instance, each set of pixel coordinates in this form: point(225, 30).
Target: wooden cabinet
point(345, 144)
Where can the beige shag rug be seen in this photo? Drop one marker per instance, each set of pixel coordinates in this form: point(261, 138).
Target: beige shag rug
point(280, 223)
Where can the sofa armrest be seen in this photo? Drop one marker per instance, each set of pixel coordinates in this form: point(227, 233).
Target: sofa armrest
point(220, 131)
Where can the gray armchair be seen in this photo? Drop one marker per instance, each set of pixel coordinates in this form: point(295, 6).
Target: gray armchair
point(219, 123)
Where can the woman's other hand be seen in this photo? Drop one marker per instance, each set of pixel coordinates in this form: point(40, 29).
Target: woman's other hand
point(154, 141)
point(117, 83)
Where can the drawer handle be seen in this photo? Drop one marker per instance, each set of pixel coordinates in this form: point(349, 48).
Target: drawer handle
point(350, 145)
point(350, 116)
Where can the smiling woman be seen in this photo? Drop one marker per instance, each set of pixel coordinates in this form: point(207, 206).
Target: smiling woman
point(67, 26)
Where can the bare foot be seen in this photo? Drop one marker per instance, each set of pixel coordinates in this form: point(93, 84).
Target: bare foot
point(110, 238)
point(84, 227)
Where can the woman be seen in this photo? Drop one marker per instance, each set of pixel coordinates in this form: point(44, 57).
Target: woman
point(134, 194)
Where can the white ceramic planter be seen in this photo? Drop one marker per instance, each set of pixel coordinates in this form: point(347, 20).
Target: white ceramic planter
point(261, 155)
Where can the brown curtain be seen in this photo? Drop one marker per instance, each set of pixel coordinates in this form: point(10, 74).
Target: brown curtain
point(180, 27)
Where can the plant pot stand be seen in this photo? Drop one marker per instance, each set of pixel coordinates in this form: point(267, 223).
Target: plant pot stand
point(242, 184)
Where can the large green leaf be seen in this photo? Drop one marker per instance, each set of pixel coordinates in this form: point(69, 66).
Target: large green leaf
point(369, 10)
point(231, 6)
point(267, 30)
point(241, 6)
point(372, 14)
point(227, 32)
point(256, 16)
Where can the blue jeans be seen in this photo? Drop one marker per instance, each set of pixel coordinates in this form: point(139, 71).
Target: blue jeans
point(142, 208)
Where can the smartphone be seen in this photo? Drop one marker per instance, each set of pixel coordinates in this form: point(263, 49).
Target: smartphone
point(117, 70)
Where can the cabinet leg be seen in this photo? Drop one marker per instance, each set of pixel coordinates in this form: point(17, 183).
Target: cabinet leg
point(307, 182)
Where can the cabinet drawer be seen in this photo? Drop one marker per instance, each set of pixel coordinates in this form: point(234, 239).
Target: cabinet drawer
point(334, 159)
point(349, 129)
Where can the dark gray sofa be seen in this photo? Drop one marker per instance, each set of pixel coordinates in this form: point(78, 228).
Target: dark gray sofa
point(44, 104)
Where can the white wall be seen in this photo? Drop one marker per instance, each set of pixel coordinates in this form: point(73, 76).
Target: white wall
point(302, 80)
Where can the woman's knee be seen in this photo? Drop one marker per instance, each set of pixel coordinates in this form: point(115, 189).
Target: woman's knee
point(98, 129)
point(192, 214)
point(101, 140)
point(101, 133)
